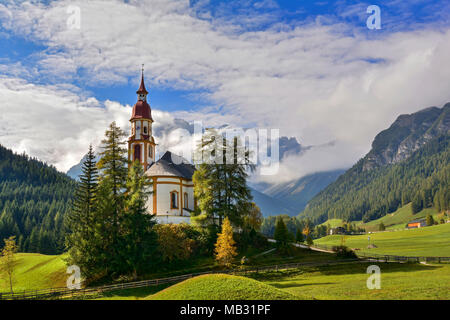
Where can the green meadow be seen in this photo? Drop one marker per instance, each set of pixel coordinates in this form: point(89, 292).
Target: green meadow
point(427, 241)
point(341, 282)
point(349, 282)
point(222, 287)
point(35, 271)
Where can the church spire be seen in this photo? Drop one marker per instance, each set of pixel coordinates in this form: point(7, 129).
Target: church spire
point(142, 90)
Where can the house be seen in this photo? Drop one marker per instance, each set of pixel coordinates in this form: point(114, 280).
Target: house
point(338, 230)
point(172, 199)
point(418, 223)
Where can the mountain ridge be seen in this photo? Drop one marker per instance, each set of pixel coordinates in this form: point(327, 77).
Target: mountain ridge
point(409, 161)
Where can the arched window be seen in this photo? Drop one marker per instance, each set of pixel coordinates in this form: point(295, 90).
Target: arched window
point(186, 200)
point(174, 200)
point(137, 152)
point(145, 129)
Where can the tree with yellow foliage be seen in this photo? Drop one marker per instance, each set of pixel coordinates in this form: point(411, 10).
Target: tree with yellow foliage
point(8, 259)
point(225, 245)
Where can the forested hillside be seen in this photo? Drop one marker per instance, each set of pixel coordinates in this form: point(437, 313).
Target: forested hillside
point(33, 200)
point(415, 169)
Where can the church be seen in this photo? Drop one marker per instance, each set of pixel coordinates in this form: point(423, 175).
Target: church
point(172, 199)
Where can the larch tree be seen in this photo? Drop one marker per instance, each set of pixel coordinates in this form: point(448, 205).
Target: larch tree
point(225, 245)
point(221, 178)
point(8, 259)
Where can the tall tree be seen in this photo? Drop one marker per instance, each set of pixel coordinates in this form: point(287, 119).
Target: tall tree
point(139, 240)
point(111, 197)
point(113, 164)
point(221, 178)
point(253, 219)
point(8, 259)
point(225, 245)
point(281, 235)
point(81, 240)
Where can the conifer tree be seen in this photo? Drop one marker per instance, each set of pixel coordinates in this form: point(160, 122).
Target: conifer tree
point(137, 234)
point(221, 178)
point(299, 236)
point(281, 234)
point(111, 197)
point(82, 240)
point(113, 164)
point(225, 245)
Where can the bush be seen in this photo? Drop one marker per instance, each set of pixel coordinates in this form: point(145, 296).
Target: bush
point(176, 242)
point(344, 252)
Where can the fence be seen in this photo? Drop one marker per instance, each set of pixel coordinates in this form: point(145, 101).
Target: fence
point(388, 257)
point(60, 293)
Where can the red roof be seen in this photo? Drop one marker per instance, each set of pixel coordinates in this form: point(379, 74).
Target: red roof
point(141, 110)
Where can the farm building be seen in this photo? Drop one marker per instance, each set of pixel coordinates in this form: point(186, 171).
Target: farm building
point(419, 223)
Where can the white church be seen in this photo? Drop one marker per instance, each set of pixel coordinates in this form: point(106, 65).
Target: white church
point(172, 199)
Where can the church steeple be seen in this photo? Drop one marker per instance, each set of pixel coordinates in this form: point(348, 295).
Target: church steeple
point(142, 92)
point(141, 144)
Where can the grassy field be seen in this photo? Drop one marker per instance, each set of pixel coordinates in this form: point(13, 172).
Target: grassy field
point(222, 287)
point(427, 241)
point(341, 282)
point(36, 271)
point(344, 282)
point(334, 223)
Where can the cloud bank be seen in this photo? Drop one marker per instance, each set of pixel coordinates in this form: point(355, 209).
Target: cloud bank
point(318, 81)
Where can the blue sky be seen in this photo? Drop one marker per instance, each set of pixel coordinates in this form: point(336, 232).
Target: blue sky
point(310, 68)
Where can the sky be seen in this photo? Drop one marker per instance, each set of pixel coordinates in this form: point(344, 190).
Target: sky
point(312, 69)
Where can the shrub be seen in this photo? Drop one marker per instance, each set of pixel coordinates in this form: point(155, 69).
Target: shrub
point(344, 252)
point(176, 241)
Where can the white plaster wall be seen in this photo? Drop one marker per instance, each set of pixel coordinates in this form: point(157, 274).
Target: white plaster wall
point(172, 219)
point(163, 199)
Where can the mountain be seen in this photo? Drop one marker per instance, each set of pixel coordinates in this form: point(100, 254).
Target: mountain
point(270, 206)
point(296, 194)
point(34, 198)
point(75, 171)
point(407, 134)
point(408, 162)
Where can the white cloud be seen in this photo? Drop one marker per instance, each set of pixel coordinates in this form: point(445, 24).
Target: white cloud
point(316, 82)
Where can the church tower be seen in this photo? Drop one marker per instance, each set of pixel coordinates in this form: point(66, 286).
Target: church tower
point(141, 145)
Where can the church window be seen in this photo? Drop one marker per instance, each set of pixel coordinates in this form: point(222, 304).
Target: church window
point(137, 152)
point(145, 130)
point(185, 198)
point(174, 200)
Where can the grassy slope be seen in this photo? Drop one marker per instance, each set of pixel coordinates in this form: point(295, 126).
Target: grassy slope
point(221, 287)
point(428, 241)
point(392, 221)
point(399, 218)
point(343, 282)
point(36, 271)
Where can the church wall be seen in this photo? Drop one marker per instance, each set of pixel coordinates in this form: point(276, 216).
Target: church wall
point(166, 185)
point(172, 219)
